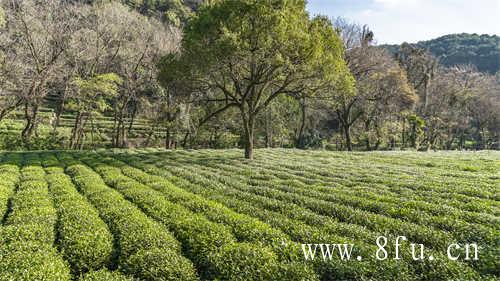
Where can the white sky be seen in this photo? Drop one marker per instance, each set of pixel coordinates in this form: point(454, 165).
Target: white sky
point(397, 21)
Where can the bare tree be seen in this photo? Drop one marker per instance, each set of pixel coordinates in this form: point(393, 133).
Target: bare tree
point(115, 39)
point(144, 43)
point(461, 99)
point(39, 33)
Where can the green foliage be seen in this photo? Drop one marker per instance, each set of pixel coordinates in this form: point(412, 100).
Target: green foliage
point(11, 129)
point(427, 206)
point(278, 33)
point(83, 237)
point(161, 265)
point(140, 238)
point(32, 262)
point(95, 93)
point(105, 275)
point(174, 12)
point(209, 245)
point(9, 175)
point(28, 235)
point(238, 220)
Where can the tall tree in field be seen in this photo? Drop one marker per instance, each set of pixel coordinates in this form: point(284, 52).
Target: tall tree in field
point(245, 54)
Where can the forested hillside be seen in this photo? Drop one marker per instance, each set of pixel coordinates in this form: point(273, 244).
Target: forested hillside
point(225, 74)
point(482, 51)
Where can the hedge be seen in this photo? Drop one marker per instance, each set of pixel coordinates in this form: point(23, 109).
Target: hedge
point(210, 245)
point(84, 238)
point(138, 237)
point(27, 251)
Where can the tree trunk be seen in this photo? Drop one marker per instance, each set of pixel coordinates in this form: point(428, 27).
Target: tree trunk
point(119, 141)
point(249, 125)
point(367, 140)
point(114, 139)
point(426, 93)
point(168, 139)
point(300, 138)
point(31, 119)
point(480, 143)
point(28, 122)
point(123, 135)
point(269, 131)
point(81, 131)
point(132, 118)
point(379, 137)
point(118, 131)
point(346, 123)
point(185, 140)
point(347, 135)
point(249, 147)
point(74, 131)
point(403, 134)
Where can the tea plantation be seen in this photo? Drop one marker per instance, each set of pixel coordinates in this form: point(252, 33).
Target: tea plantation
point(154, 214)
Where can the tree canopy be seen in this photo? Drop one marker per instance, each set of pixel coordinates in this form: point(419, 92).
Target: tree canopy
point(244, 54)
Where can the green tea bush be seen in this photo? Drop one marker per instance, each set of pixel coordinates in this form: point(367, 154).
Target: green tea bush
point(9, 176)
point(204, 242)
point(84, 238)
point(140, 214)
point(136, 233)
point(258, 200)
point(26, 260)
point(26, 251)
point(105, 275)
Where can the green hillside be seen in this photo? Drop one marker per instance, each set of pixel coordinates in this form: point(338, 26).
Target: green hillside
point(483, 51)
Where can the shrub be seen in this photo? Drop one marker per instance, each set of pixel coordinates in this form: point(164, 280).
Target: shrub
point(105, 275)
point(26, 260)
point(236, 197)
point(210, 245)
point(136, 233)
point(84, 238)
point(162, 265)
point(28, 236)
point(9, 176)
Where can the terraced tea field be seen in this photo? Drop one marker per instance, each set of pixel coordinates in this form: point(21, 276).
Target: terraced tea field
point(210, 215)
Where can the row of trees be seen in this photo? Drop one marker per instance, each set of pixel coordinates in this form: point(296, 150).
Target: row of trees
point(237, 73)
point(89, 59)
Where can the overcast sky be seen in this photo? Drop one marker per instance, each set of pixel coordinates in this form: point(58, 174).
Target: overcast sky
point(397, 21)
